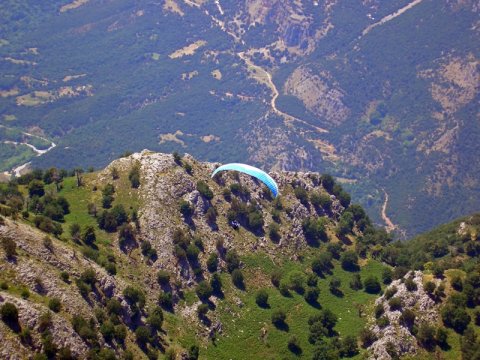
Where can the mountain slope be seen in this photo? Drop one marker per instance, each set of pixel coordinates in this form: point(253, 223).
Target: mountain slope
point(371, 92)
point(143, 259)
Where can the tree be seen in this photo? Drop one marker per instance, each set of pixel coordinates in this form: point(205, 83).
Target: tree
point(455, 317)
point(301, 194)
point(9, 246)
point(327, 182)
point(356, 282)
point(134, 296)
point(314, 230)
point(426, 336)
point(311, 295)
point(143, 335)
point(163, 277)
point(262, 298)
point(274, 232)
point(186, 208)
point(212, 262)
point(367, 337)
point(322, 263)
point(204, 190)
point(54, 304)
point(387, 275)
point(294, 345)
point(9, 313)
point(278, 318)
point(134, 176)
point(36, 188)
point(276, 277)
point(193, 352)
point(216, 284)
point(349, 260)
point(334, 285)
point(348, 346)
point(410, 285)
point(203, 290)
point(237, 278)
point(233, 260)
point(89, 236)
point(155, 320)
point(407, 318)
point(202, 310)
point(296, 281)
point(395, 303)
point(372, 285)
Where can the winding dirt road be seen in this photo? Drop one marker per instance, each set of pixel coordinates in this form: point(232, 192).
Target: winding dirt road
point(389, 225)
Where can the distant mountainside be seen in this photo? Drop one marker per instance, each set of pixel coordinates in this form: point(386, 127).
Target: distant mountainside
point(382, 94)
point(152, 258)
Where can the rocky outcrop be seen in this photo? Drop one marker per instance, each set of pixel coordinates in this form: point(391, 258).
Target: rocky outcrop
point(395, 335)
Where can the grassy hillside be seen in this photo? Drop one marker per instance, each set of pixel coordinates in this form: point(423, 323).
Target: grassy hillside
point(132, 291)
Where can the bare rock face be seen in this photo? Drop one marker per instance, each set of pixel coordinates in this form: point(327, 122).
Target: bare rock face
point(396, 335)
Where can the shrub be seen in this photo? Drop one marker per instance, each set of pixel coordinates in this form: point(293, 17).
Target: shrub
point(107, 329)
point(349, 260)
point(334, 285)
point(134, 176)
point(387, 275)
point(379, 311)
point(262, 298)
point(457, 283)
point(296, 281)
point(383, 321)
point(233, 260)
point(407, 318)
point(356, 282)
point(54, 304)
point(202, 310)
point(278, 318)
point(114, 307)
point(216, 284)
point(455, 317)
point(9, 313)
point(237, 278)
point(395, 303)
point(392, 290)
point(134, 296)
point(163, 277)
point(311, 295)
point(410, 285)
point(426, 336)
point(294, 345)
point(10, 247)
point(301, 194)
point(348, 346)
point(372, 285)
point(314, 230)
point(89, 236)
point(429, 287)
point(212, 262)
point(143, 335)
point(165, 300)
point(276, 277)
point(186, 208)
point(203, 290)
point(155, 320)
point(322, 263)
point(367, 337)
point(193, 352)
point(312, 280)
point(204, 189)
point(274, 232)
point(211, 215)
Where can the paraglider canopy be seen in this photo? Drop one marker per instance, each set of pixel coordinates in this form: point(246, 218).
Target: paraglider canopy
point(252, 171)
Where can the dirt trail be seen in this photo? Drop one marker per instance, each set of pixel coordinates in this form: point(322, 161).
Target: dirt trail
point(390, 17)
point(390, 226)
point(264, 77)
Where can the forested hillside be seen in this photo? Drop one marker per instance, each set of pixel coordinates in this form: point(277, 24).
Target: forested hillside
point(382, 94)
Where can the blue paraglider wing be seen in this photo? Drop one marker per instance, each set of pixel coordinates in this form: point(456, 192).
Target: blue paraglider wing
point(252, 171)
